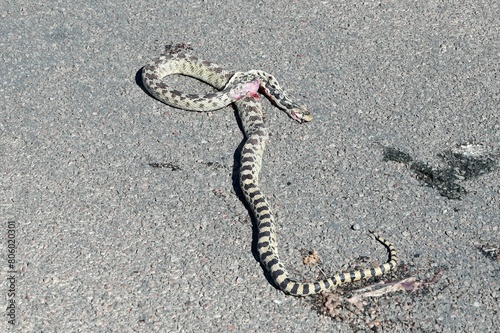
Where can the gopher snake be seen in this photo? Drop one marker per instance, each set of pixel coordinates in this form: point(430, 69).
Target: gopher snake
point(241, 88)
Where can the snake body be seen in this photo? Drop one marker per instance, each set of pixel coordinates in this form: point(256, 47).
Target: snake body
point(241, 89)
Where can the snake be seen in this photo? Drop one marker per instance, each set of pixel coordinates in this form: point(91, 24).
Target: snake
point(242, 89)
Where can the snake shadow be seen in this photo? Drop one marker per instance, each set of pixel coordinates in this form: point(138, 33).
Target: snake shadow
point(235, 177)
point(138, 81)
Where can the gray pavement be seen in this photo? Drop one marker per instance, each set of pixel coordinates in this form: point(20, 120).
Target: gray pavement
point(105, 242)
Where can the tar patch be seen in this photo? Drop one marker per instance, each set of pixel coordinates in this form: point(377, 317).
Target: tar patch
point(463, 162)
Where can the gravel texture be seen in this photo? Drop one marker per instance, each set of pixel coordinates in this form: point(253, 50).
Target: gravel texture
point(126, 213)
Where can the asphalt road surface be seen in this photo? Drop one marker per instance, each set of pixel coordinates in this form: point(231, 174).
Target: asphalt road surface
point(122, 214)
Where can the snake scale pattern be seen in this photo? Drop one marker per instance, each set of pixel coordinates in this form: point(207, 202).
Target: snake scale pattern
point(241, 88)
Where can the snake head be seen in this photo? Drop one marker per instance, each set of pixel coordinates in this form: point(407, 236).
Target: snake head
point(300, 114)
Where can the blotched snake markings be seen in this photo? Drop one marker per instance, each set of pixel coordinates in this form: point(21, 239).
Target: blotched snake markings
point(242, 89)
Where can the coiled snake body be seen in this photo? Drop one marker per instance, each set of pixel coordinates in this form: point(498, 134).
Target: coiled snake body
point(241, 88)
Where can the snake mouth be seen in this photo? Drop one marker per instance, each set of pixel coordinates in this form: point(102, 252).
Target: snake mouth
point(296, 117)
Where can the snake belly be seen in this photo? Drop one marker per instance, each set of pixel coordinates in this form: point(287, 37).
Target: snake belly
point(241, 89)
